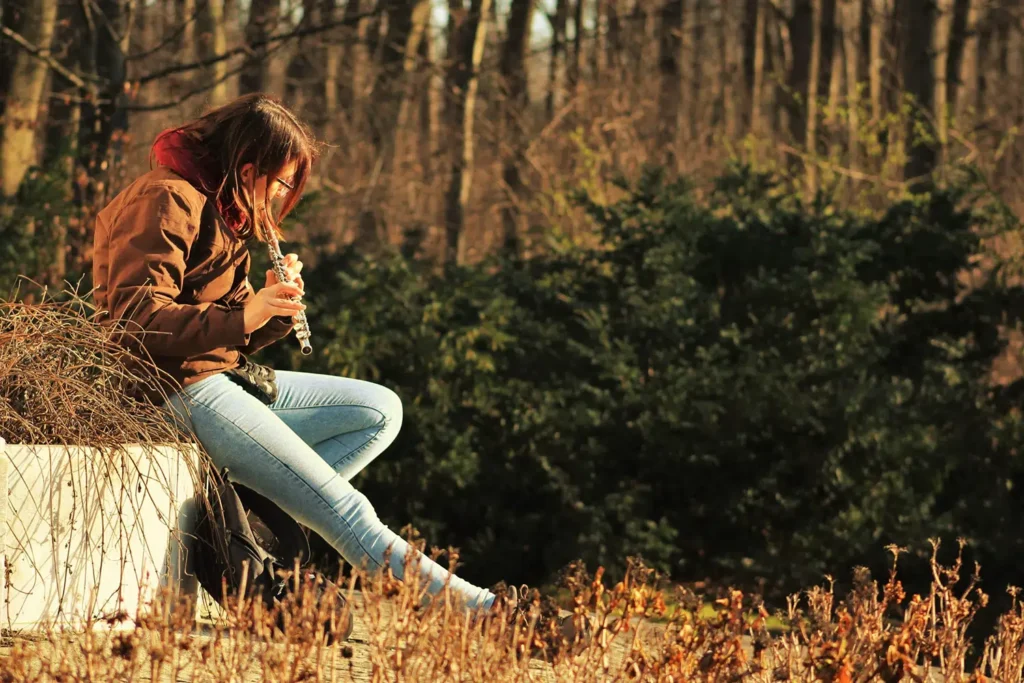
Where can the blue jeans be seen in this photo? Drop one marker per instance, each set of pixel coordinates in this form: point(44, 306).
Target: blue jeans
point(302, 450)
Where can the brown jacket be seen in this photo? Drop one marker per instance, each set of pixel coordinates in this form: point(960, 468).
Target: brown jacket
point(166, 265)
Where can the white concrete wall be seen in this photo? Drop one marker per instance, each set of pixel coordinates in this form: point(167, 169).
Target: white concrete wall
point(91, 535)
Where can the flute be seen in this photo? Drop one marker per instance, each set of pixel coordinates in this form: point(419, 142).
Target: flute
point(277, 263)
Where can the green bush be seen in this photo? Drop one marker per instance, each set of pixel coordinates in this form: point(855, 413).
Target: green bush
point(737, 387)
point(43, 236)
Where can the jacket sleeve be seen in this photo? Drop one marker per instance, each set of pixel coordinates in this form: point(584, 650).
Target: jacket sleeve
point(150, 239)
point(276, 328)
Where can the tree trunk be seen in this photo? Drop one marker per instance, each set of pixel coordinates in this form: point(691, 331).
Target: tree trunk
point(747, 37)
point(776, 68)
point(813, 83)
point(850, 23)
point(574, 69)
point(24, 95)
point(414, 34)
point(986, 73)
point(964, 84)
point(12, 18)
point(64, 113)
point(636, 41)
point(826, 45)
point(730, 76)
point(613, 45)
point(330, 11)
point(835, 84)
point(87, 56)
point(596, 42)
point(233, 32)
point(917, 27)
point(213, 40)
point(390, 103)
point(758, 67)
point(696, 67)
point(466, 53)
point(670, 29)
point(801, 25)
point(426, 100)
point(108, 37)
point(1014, 56)
point(355, 57)
point(512, 69)
point(305, 66)
point(946, 52)
point(426, 202)
point(880, 10)
point(188, 40)
point(864, 44)
point(264, 17)
point(557, 53)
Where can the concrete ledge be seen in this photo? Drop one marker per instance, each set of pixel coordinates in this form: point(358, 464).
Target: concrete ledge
point(90, 535)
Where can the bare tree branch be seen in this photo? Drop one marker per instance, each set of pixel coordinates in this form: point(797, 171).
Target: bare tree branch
point(174, 35)
point(79, 80)
point(195, 91)
point(248, 48)
point(114, 34)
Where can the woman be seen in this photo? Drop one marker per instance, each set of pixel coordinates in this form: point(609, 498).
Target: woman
point(171, 259)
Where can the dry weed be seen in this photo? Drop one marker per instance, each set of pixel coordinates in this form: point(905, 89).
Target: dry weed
point(872, 634)
point(63, 379)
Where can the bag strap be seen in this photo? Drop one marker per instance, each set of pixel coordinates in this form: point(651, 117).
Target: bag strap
point(213, 516)
point(291, 542)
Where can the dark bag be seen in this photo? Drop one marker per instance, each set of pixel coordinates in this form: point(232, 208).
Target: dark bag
point(258, 380)
point(240, 527)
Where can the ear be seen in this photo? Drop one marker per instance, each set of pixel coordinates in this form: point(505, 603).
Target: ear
point(248, 173)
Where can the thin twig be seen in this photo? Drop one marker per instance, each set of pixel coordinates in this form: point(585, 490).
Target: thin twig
point(197, 90)
point(79, 80)
point(848, 172)
point(252, 47)
point(171, 37)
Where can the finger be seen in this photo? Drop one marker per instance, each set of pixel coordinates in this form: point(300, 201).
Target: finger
point(291, 300)
point(287, 288)
point(287, 309)
point(300, 284)
point(291, 258)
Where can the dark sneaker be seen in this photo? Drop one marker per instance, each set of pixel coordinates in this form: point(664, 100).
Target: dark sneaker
point(556, 630)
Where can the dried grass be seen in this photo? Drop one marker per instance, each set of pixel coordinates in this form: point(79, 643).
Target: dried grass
point(64, 377)
point(872, 634)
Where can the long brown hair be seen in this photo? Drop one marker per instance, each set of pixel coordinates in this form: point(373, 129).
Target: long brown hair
point(254, 129)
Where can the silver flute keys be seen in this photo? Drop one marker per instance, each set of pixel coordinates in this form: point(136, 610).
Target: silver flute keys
point(277, 263)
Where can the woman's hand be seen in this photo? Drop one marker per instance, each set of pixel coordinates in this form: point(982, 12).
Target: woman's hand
point(292, 266)
point(270, 301)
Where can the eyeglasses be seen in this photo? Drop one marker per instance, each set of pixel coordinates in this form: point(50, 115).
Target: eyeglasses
point(285, 184)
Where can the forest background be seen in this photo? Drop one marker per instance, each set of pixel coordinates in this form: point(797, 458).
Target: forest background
point(732, 286)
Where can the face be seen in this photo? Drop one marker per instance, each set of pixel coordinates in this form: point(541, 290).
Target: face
point(273, 186)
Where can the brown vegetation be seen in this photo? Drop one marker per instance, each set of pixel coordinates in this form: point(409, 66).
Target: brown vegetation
point(875, 633)
point(64, 376)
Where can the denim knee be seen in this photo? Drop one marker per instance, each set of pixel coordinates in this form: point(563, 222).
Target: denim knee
point(390, 405)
